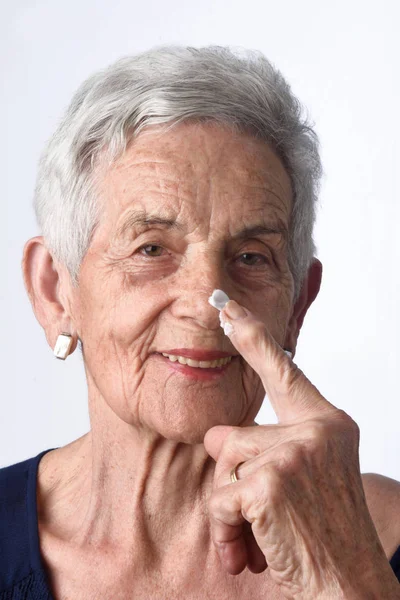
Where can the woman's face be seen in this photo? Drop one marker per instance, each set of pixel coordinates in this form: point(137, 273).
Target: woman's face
point(144, 289)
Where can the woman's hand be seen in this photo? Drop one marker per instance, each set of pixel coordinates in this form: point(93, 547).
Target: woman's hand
point(298, 506)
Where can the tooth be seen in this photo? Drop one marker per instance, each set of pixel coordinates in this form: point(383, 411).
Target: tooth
point(204, 364)
point(192, 363)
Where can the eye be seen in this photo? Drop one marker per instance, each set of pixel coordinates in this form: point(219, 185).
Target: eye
point(255, 260)
point(149, 249)
point(251, 259)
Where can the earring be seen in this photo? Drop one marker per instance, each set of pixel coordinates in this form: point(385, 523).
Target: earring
point(289, 353)
point(63, 345)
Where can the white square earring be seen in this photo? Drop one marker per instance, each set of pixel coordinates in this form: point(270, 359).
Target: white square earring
point(63, 345)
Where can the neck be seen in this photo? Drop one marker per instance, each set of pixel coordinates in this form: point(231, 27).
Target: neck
point(140, 493)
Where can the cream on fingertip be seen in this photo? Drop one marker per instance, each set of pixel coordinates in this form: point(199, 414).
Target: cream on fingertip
point(228, 329)
point(218, 299)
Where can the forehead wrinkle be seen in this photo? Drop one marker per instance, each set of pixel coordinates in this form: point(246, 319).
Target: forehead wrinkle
point(182, 218)
point(270, 181)
point(174, 200)
point(173, 163)
point(161, 156)
point(161, 175)
point(268, 192)
point(131, 161)
point(269, 213)
point(165, 177)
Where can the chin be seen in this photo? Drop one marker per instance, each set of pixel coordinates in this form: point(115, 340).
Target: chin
point(189, 432)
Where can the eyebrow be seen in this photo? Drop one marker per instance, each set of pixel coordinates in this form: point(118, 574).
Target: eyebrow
point(255, 230)
point(142, 219)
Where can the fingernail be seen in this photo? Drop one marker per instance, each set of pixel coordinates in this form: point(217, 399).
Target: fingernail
point(233, 310)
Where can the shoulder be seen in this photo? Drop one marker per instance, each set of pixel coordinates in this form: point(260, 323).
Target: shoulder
point(14, 540)
point(383, 499)
point(13, 488)
point(18, 530)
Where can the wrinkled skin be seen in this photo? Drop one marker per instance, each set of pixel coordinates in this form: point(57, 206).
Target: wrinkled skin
point(299, 485)
point(129, 305)
point(215, 185)
point(143, 462)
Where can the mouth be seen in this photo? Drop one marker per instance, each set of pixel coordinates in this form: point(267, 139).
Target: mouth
point(198, 369)
point(198, 354)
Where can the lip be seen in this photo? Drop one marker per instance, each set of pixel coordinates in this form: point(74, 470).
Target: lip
point(197, 353)
point(196, 373)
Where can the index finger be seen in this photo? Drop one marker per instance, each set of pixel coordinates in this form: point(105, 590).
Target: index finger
point(291, 394)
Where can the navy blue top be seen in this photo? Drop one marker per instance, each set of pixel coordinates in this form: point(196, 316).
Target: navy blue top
point(22, 574)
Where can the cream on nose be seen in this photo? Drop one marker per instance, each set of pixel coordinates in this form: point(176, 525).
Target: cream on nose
point(218, 299)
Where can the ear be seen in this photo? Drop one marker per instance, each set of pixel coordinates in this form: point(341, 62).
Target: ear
point(309, 291)
point(43, 282)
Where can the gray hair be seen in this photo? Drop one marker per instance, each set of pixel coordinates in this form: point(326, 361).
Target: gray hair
point(172, 84)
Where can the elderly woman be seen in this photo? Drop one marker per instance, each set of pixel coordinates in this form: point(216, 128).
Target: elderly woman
point(176, 201)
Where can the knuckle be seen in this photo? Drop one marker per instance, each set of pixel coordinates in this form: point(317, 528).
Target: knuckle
point(340, 426)
point(351, 428)
point(315, 431)
point(241, 443)
point(346, 427)
point(355, 430)
point(233, 439)
point(271, 481)
point(291, 458)
point(264, 491)
point(347, 421)
point(230, 446)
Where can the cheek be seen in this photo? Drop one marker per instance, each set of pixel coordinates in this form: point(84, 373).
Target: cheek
point(118, 334)
point(117, 319)
point(275, 309)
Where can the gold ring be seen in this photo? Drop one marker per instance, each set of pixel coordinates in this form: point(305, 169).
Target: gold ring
point(234, 473)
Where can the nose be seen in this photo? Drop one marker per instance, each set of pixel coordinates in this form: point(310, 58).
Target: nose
point(201, 277)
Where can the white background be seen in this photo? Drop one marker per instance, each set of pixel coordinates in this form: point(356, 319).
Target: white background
point(342, 60)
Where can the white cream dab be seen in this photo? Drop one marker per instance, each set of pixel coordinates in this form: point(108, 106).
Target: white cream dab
point(218, 299)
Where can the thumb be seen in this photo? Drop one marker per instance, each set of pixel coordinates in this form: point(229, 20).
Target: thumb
point(215, 438)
